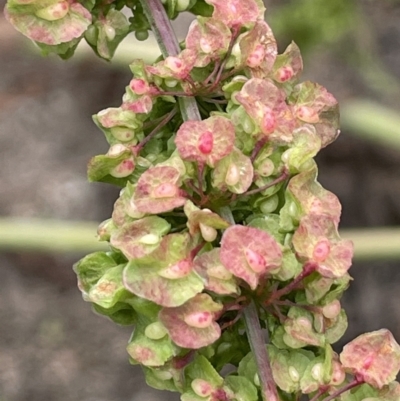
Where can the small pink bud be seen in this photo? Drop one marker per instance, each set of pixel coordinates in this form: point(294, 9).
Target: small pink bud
point(176, 271)
point(268, 121)
point(256, 57)
point(54, 12)
point(232, 175)
point(139, 86)
point(123, 169)
point(206, 142)
point(321, 250)
point(199, 320)
point(255, 260)
point(201, 387)
point(307, 114)
point(166, 190)
point(284, 74)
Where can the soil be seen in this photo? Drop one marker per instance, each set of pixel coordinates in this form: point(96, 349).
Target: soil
point(52, 346)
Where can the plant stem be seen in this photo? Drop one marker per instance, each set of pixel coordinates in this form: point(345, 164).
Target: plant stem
point(156, 130)
point(257, 345)
point(342, 390)
point(256, 339)
point(281, 178)
point(169, 46)
point(307, 270)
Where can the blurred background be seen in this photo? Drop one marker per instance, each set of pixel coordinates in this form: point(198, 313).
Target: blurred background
point(52, 346)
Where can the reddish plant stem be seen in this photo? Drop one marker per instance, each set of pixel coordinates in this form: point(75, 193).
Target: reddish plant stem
point(356, 382)
point(155, 131)
point(257, 345)
point(281, 178)
point(200, 172)
point(255, 336)
point(307, 270)
point(169, 46)
point(257, 149)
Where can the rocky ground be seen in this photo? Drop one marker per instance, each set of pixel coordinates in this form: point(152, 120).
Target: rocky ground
point(52, 347)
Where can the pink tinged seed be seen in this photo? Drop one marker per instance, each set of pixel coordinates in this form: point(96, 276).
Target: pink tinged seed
point(176, 271)
point(321, 250)
point(139, 86)
point(268, 121)
point(256, 261)
point(54, 12)
point(123, 169)
point(284, 74)
point(173, 63)
point(110, 32)
point(307, 114)
point(368, 362)
point(332, 310)
point(208, 233)
point(256, 57)
point(338, 374)
point(220, 272)
point(233, 175)
point(116, 150)
point(206, 142)
point(166, 190)
point(199, 320)
point(205, 46)
point(201, 387)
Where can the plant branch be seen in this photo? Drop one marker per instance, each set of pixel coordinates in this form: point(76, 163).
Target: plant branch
point(342, 390)
point(281, 178)
point(255, 337)
point(257, 345)
point(155, 131)
point(169, 46)
point(307, 270)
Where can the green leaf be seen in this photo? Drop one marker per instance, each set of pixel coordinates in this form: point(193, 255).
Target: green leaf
point(158, 190)
point(112, 29)
point(374, 357)
point(50, 24)
point(201, 368)
point(317, 241)
point(109, 289)
point(206, 141)
point(118, 125)
point(117, 163)
point(120, 313)
point(148, 351)
point(192, 325)
point(234, 173)
point(299, 329)
point(141, 237)
point(306, 144)
point(242, 388)
point(216, 277)
point(91, 268)
point(165, 276)
point(288, 367)
point(248, 253)
point(304, 195)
